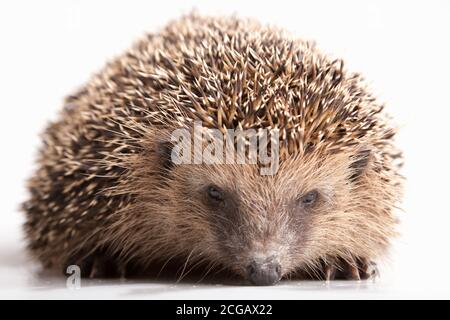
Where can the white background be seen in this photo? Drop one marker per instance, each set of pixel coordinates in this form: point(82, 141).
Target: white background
point(48, 48)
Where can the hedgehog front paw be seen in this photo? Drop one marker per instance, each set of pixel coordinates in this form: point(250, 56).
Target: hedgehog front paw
point(355, 269)
point(99, 266)
point(103, 267)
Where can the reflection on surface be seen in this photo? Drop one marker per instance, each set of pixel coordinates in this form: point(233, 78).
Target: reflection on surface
point(21, 278)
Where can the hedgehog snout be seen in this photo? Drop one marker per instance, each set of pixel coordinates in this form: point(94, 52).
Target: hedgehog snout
point(264, 271)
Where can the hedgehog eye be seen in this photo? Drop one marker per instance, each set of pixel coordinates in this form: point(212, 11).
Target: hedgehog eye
point(309, 199)
point(215, 193)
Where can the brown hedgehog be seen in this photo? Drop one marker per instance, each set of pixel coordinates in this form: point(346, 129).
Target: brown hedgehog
point(108, 197)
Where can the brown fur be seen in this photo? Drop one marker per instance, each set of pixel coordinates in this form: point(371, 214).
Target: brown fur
point(102, 188)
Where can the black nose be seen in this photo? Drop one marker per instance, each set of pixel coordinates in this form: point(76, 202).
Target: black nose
point(264, 272)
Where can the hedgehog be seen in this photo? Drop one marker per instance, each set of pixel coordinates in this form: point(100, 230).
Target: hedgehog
point(108, 197)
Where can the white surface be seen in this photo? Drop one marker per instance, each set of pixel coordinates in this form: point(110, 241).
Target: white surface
point(48, 48)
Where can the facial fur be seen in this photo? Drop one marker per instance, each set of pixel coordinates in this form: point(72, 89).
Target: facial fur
point(262, 217)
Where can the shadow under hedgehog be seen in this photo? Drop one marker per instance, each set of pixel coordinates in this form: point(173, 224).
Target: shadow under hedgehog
point(107, 196)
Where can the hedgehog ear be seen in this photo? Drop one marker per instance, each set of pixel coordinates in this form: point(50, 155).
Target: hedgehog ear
point(360, 163)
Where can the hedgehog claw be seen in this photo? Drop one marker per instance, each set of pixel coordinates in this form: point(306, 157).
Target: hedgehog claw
point(357, 269)
point(369, 270)
point(329, 272)
point(98, 269)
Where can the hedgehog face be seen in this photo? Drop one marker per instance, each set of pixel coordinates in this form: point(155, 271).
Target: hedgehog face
point(267, 227)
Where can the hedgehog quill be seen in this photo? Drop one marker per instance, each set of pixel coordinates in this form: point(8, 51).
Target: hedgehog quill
point(107, 196)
